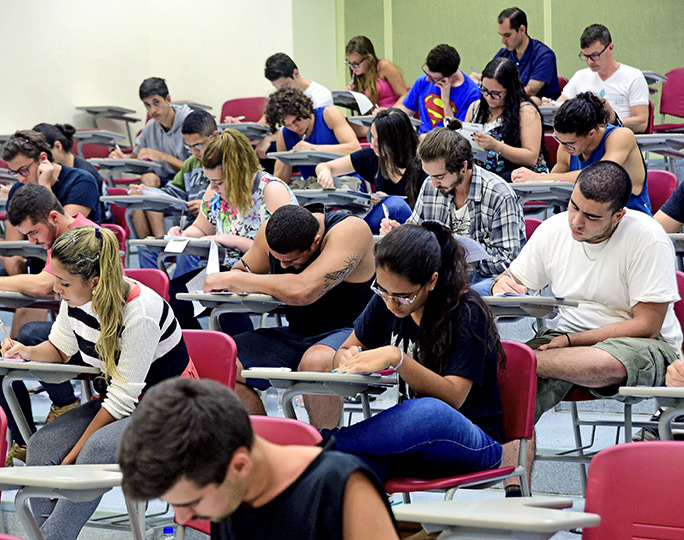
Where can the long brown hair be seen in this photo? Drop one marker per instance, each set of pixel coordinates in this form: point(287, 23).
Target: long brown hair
point(366, 83)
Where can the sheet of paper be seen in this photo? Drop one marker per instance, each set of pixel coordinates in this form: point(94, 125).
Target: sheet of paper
point(213, 260)
point(195, 286)
point(176, 244)
point(474, 250)
point(468, 129)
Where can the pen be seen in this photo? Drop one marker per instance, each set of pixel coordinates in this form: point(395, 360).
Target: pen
point(183, 220)
point(508, 272)
point(117, 147)
point(385, 211)
point(241, 117)
point(473, 69)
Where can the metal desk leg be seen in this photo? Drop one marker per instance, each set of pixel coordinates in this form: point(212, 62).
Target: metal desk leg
point(666, 418)
point(137, 519)
point(21, 504)
point(13, 403)
point(286, 402)
point(365, 405)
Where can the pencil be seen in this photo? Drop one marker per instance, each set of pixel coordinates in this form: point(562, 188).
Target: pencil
point(5, 330)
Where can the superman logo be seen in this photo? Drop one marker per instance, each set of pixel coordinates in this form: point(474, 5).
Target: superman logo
point(435, 108)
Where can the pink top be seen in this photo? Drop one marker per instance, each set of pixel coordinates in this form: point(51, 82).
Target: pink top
point(386, 96)
point(79, 221)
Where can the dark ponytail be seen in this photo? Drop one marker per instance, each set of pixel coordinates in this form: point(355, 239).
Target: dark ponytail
point(580, 115)
point(64, 133)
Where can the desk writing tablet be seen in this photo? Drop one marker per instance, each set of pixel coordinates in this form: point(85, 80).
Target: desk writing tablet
point(15, 300)
point(294, 158)
point(367, 119)
point(132, 165)
point(22, 248)
point(526, 306)
point(106, 136)
point(275, 374)
point(251, 130)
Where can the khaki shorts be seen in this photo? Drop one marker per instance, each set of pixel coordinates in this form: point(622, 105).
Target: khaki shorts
point(645, 360)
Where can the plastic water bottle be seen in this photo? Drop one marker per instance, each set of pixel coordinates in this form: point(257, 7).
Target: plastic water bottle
point(167, 534)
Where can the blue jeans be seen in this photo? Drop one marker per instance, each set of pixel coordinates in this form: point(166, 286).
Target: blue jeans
point(419, 438)
point(480, 283)
point(184, 263)
point(397, 208)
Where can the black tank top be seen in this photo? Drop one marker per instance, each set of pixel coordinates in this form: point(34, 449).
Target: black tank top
point(338, 308)
point(312, 507)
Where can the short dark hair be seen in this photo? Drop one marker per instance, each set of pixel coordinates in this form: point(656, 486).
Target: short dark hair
point(581, 114)
point(279, 65)
point(291, 228)
point(153, 86)
point(199, 122)
point(64, 133)
point(287, 102)
point(443, 59)
point(184, 428)
point(449, 145)
point(28, 143)
point(516, 18)
point(594, 33)
point(606, 182)
point(32, 201)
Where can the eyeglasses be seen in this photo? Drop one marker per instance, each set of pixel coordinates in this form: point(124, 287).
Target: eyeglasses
point(595, 57)
point(354, 65)
point(496, 96)
point(569, 146)
point(404, 300)
point(430, 78)
point(197, 146)
point(23, 171)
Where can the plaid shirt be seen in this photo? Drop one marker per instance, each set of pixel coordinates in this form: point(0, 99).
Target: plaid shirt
point(493, 216)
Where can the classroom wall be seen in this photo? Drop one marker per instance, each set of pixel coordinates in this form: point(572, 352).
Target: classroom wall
point(59, 54)
point(647, 35)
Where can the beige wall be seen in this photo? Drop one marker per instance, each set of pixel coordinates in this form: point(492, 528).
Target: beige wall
point(59, 54)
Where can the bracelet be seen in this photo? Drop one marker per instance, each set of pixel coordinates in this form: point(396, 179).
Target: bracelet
point(491, 287)
point(396, 368)
point(569, 342)
point(502, 147)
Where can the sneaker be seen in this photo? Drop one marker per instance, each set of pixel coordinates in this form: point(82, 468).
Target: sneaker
point(56, 412)
point(16, 452)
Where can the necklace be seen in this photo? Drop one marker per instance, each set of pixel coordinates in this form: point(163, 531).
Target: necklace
point(584, 249)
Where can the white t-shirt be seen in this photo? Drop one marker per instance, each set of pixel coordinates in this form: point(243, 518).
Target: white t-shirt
point(636, 264)
point(319, 94)
point(623, 89)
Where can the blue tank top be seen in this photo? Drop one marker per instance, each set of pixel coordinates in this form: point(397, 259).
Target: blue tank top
point(639, 202)
point(321, 134)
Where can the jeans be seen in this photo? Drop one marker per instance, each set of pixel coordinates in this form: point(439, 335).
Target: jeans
point(397, 208)
point(480, 283)
point(184, 263)
point(420, 438)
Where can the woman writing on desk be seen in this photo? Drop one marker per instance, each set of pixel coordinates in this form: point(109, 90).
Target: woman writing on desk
point(117, 325)
point(426, 324)
point(513, 135)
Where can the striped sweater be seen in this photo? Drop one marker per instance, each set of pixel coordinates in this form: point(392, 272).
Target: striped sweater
point(152, 346)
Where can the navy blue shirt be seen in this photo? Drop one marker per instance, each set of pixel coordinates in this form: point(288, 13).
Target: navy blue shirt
point(73, 186)
point(538, 63)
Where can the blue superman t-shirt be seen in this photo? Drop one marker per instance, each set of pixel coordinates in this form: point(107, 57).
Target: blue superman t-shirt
point(426, 98)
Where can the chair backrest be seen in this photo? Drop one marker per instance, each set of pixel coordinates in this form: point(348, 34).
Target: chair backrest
point(121, 236)
point(651, 117)
point(562, 81)
point(91, 150)
point(661, 186)
point(153, 278)
point(3, 437)
point(679, 305)
point(552, 148)
point(637, 489)
point(285, 430)
point(214, 355)
point(119, 212)
point(672, 95)
point(531, 225)
point(518, 389)
point(252, 108)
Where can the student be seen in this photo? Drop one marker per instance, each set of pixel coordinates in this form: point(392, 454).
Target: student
point(623, 87)
point(61, 139)
point(189, 184)
point(380, 80)
point(513, 133)
point(306, 128)
point(426, 324)
point(240, 197)
point(442, 92)
point(37, 214)
point(390, 164)
point(191, 443)
point(323, 274)
point(584, 138)
point(161, 138)
point(117, 325)
point(620, 265)
point(470, 201)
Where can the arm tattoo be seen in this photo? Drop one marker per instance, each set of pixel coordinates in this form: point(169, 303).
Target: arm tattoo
point(334, 278)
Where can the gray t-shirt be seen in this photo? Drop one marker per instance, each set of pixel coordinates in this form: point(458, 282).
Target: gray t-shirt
point(170, 142)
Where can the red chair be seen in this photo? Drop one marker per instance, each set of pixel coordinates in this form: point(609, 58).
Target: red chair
point(251, 108)
point(651, 117)
point(562, 81)
point(283, 431)
point(213, 353)
point(671, 100)
point(518, 388)
point(661, 186)
point(637, 489)
point(119, 212)
point(552, 148)
point(153, 278)
point(531, 225)
point(121, 237)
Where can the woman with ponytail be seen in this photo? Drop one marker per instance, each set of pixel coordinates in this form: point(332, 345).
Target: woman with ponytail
point(426, 324)
point(117, 325)
point(240, 197)
point(584, 138)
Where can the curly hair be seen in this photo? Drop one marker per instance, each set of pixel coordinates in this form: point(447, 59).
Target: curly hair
point(287, 102)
